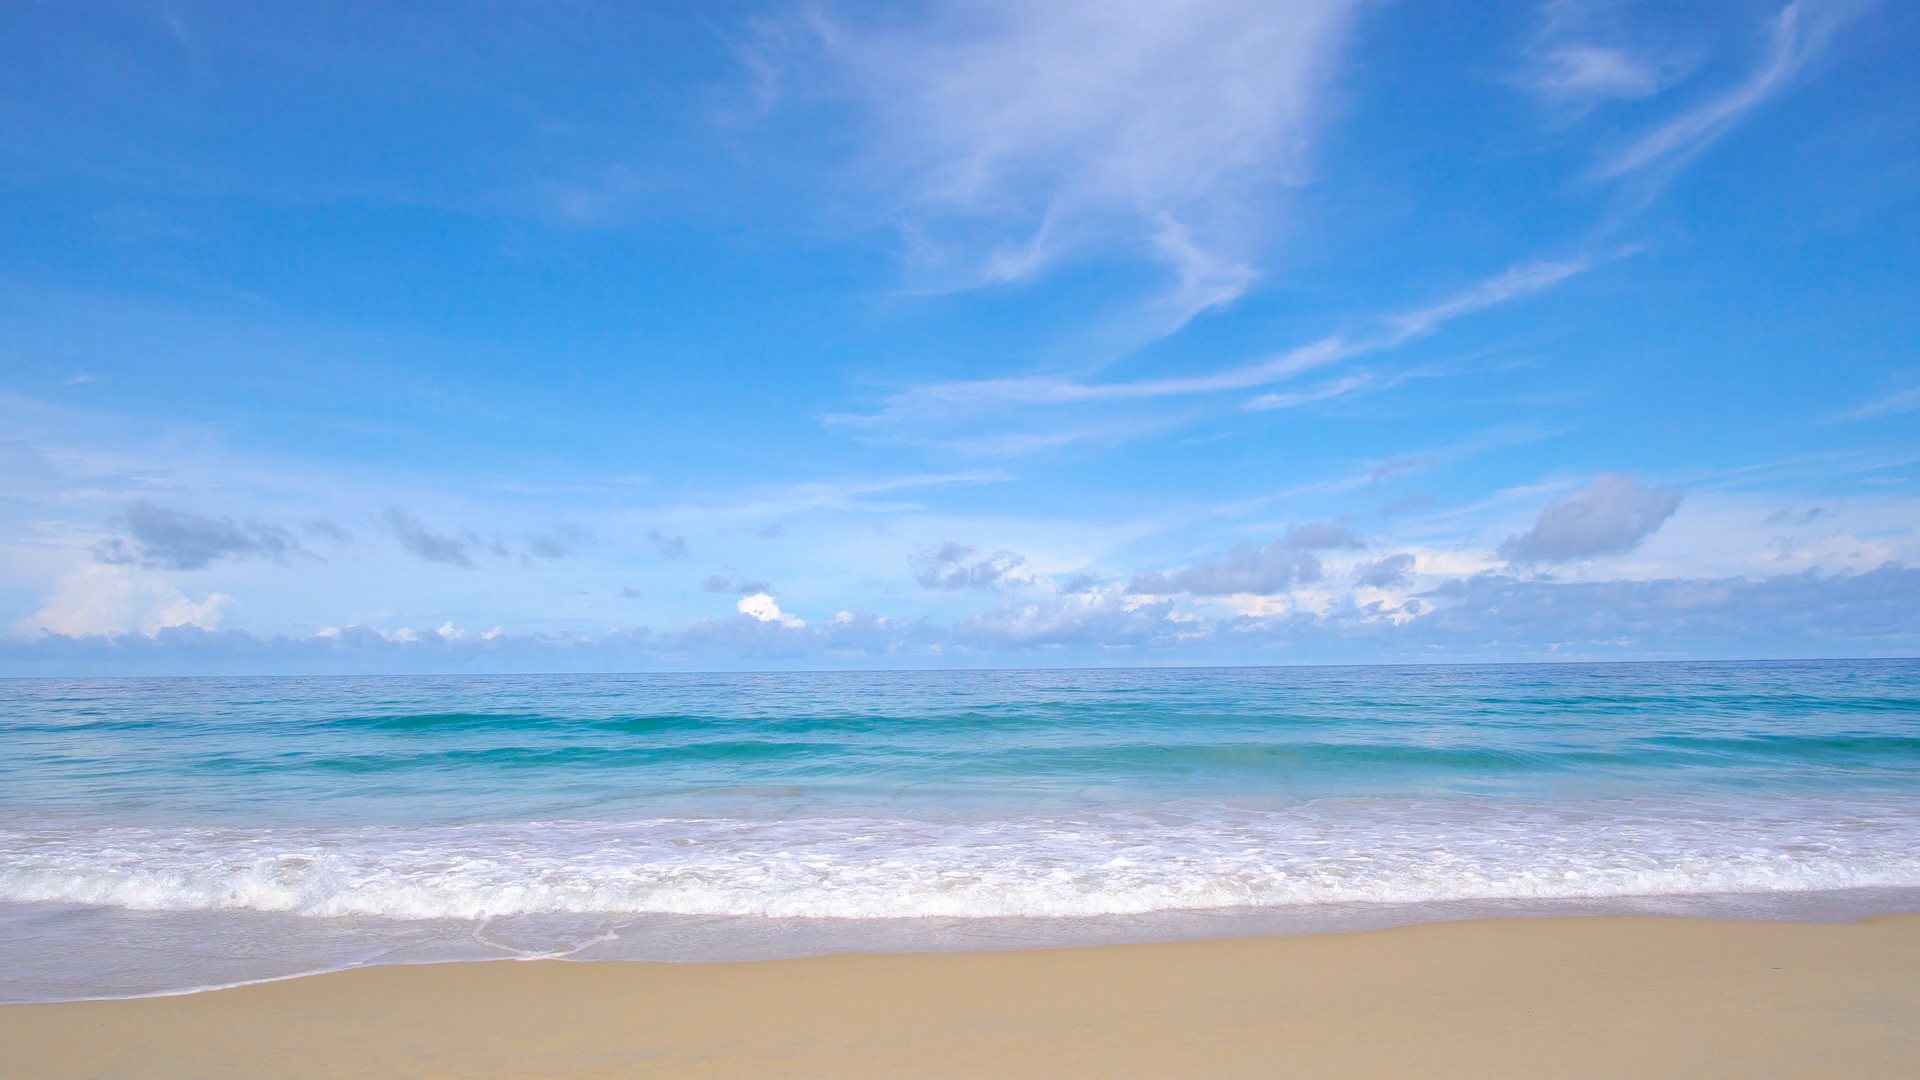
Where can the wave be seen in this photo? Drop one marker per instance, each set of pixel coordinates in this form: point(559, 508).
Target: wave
point(1871, 748)
point(814, 749)
point(1109, 863)
point(516, 757)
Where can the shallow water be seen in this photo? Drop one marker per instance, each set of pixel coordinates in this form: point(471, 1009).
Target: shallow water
point(163, 834)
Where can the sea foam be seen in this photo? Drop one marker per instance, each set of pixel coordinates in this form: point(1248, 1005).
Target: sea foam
point(871, 867)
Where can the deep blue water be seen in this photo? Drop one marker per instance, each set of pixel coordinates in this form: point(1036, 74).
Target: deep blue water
point(336, 820)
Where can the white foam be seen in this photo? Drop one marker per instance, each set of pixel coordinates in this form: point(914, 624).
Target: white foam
point(1110, 863)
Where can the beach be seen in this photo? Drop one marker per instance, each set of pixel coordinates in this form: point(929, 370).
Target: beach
point(791, 539)
point(1576, 997)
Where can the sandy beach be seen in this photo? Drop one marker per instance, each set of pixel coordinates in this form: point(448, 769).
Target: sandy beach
point(1521, 997)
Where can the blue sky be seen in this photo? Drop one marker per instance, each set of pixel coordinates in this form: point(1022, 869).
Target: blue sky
point(622, 337)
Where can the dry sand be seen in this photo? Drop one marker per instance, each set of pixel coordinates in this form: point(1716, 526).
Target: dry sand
point(1523, 997)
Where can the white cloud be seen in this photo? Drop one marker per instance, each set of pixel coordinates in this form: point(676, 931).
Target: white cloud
point(175, 609)
point(761, 607)
point(118, 600)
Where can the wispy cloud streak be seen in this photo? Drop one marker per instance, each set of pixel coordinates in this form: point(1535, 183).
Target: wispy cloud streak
point(1794, 36)
point(978, 395)
point(1008, 135)
point(1583, 54)
point(1894, 404)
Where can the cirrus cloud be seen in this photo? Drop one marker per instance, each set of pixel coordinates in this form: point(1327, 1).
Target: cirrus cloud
point(1008, 136)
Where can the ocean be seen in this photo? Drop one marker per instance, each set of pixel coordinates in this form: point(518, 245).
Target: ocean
point(161, 835)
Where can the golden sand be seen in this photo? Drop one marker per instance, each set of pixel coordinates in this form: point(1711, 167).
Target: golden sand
point(1585, 997)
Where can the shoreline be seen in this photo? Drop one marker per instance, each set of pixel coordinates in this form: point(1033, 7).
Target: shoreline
point(678, 939)
point(1567, 995)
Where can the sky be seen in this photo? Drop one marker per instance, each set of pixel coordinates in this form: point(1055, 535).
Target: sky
point(581, 337)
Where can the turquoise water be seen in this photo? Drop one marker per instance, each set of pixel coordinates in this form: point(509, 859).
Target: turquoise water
point(167, 833)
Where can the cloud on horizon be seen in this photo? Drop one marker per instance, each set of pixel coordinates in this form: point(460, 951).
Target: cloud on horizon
point(1489, 616)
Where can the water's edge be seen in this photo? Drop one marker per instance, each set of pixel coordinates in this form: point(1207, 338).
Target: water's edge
point(699, 940)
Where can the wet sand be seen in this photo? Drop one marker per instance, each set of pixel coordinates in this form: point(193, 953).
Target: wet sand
point(1573, 997)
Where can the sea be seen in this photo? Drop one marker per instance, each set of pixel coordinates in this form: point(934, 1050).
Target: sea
point(165, 835)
